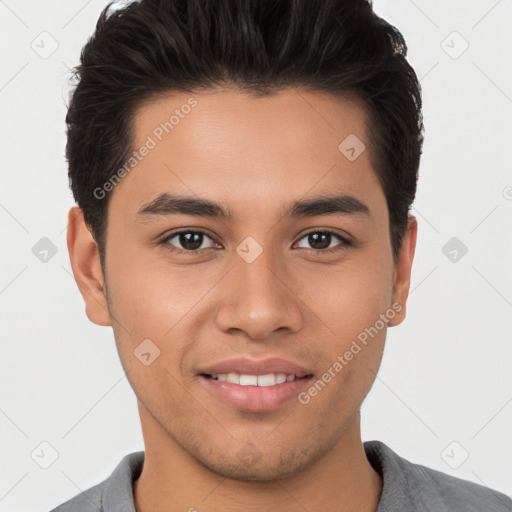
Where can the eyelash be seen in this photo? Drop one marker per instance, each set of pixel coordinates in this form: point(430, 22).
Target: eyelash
point(339, 247)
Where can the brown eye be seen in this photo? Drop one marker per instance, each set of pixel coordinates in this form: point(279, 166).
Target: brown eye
point(187, 241)
point(321, 241)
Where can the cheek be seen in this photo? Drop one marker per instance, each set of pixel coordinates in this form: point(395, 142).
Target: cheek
point(160, 304)
point(150, 297)
point(350, 301)
point(351, 362)
point(350, 297)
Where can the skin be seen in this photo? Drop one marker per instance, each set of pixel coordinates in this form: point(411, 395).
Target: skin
point(253, 155)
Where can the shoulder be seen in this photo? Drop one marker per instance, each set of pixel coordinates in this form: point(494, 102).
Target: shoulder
point(87, 501)
point(410, 486)
point(117, 489)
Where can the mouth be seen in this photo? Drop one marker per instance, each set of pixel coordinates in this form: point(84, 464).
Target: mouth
point(256, 390)
point(266, 380)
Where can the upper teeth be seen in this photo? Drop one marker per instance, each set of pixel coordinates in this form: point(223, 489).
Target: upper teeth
point(271, 379)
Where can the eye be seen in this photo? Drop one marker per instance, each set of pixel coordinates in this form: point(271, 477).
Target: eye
point(321, 241)
point(189, 241)
point(193, 241)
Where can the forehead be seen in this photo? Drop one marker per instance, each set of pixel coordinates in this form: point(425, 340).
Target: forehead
point(231, 146)
point(226, 119)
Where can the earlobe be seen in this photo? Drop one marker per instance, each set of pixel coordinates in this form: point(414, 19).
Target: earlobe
point(403, 268)
point(85, 263)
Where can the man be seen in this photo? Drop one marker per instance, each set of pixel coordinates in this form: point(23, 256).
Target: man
point(243, 172)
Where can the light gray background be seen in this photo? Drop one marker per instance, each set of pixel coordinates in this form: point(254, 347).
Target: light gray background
point(445, 385)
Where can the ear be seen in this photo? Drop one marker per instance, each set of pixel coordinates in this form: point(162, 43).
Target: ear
point(402, 273)
point(85, 262)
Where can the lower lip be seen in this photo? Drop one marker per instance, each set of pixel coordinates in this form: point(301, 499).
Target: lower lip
point(255, 398)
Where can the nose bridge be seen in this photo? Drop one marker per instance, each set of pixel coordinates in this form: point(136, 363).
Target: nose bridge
point(259, 283)
point(259, 299)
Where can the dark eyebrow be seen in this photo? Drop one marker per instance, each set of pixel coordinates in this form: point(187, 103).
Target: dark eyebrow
point(166, 204)
point(327, 205)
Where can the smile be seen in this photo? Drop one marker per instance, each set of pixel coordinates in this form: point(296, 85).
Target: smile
point(270, 379)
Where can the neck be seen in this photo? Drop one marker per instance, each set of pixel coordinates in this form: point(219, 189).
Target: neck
point(172, 481)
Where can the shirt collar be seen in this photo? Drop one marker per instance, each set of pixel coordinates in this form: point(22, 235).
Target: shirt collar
point(118, 491)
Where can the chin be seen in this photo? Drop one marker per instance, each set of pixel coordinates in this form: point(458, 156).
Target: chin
point(261, 472)
point(249, 464)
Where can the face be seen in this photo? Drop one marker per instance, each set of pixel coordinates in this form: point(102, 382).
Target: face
point(287, 271)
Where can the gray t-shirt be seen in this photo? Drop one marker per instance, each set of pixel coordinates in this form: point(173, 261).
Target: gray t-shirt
point(406, 487)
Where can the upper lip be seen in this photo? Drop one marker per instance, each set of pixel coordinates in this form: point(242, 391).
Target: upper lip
point(246, 366)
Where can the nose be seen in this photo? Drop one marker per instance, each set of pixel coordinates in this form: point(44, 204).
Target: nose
point(259, 299)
